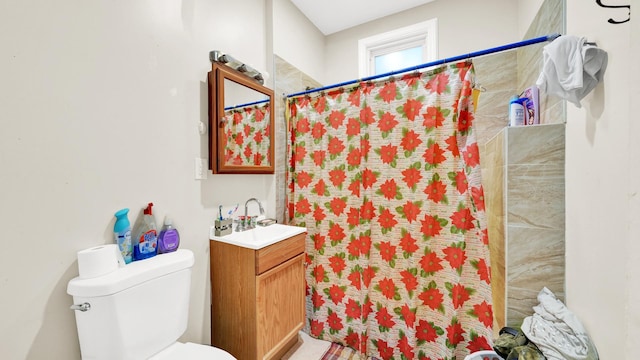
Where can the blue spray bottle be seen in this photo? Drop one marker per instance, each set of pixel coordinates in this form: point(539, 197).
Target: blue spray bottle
point(122, 234)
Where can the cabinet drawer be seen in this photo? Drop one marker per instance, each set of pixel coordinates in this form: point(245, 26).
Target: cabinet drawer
point(276, 254)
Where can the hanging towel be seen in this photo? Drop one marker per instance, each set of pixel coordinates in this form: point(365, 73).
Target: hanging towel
point(571, 68)
point(557, 332)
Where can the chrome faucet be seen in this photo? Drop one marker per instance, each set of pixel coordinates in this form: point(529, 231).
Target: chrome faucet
point(247, 224)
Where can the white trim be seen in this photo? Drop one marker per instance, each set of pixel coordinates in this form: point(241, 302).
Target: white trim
point(424, 33)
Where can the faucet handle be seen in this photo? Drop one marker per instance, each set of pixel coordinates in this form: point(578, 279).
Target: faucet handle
point(239, 224)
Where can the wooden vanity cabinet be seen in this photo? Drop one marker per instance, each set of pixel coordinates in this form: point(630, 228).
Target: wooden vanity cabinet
point(257, 298)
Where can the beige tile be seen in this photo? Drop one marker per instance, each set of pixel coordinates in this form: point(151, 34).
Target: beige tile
point(288, 80)
point(497, 74)
point(536, 144)
point(554, 112)
point(535, 259)
point(547, 21)
point(535, 196)
point(493, 175)
point(495, 103)
point(496, 71)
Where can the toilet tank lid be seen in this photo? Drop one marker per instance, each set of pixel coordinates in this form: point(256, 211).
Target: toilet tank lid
point(131, 274)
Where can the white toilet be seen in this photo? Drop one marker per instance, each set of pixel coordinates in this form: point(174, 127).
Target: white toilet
point(139, 311)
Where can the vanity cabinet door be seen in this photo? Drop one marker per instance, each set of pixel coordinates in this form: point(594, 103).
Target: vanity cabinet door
point(280, 307)
point(257, 298)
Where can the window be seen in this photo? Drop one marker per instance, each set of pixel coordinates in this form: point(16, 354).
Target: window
point(398, 49)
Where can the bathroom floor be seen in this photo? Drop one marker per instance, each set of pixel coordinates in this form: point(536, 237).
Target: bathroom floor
point(307, 348)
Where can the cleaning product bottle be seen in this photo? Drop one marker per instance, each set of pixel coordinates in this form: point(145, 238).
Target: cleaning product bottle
point(145, 236)
point(169, 239)
point(517, 113)
point(122, 234)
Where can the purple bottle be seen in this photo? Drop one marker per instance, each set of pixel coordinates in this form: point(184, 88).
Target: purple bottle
point(169, 239)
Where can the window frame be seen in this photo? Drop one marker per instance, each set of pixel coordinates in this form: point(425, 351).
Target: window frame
point(424, 34)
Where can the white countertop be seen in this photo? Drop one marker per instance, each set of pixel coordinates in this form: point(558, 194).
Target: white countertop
point(261, 236)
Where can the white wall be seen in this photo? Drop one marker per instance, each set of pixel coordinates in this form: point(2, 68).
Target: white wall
point(297, 40)
point(602, 180)
point(632, 328)
point(527, 10)
point(463, 26)
point(100, 104)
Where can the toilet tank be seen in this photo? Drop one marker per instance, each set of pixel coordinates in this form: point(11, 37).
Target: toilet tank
point(137, 310)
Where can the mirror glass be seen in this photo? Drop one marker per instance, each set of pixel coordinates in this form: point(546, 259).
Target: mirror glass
point(241, 120)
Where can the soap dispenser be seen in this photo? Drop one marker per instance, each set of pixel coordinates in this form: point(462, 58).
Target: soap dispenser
point(169, 238)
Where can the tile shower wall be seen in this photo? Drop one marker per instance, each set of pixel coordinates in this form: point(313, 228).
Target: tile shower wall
point(523, 176)
point(535, 216)
point(493, 181)
point(288, 80)
point(497, 75)
point(509, 73)
point(549, 20)
point(525, 187)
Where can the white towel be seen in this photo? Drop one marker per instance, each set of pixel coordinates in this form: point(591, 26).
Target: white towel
point(571, 68)
point(557, 332)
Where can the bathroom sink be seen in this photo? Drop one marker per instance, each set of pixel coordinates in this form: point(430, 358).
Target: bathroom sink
point(261, 236)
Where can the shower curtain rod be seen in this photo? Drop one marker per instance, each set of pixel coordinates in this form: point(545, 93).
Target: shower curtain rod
point(518, 44)
point(247, 104)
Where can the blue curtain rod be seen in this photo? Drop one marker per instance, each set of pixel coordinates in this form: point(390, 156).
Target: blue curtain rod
point(438, 62)
point(247, 104)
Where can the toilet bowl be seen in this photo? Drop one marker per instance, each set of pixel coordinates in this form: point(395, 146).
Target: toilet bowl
point(138, 311)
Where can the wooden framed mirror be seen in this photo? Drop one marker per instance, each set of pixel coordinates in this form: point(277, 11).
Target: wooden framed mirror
point(241, 129)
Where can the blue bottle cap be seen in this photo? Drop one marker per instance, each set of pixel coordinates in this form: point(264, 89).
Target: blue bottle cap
point(122, 212)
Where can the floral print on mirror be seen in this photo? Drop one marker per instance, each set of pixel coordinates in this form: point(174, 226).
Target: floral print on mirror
point(247, 140)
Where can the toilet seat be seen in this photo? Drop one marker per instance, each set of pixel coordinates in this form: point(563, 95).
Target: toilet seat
point(191, 351)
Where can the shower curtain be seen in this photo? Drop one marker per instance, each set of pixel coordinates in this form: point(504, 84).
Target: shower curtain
point(247, 135)
point(386, 178)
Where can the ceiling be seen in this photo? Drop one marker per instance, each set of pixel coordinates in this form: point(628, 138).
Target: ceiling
point(331, 16)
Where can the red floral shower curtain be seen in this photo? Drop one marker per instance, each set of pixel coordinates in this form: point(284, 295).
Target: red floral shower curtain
point(247, 135)
point(386, 178)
